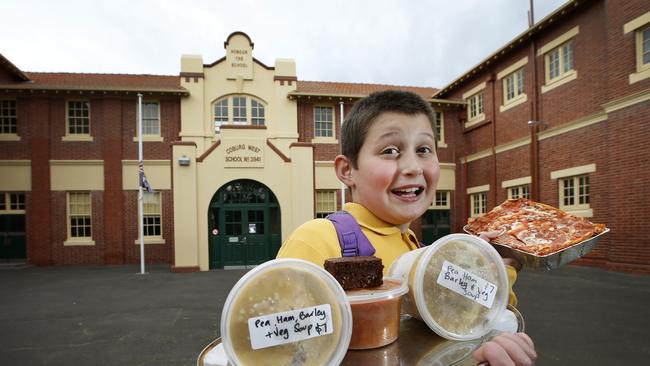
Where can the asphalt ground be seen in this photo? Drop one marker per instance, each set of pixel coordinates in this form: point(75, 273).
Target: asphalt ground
point(111, 315)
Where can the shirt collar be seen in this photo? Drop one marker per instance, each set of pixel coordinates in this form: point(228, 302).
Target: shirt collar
point(367, 219)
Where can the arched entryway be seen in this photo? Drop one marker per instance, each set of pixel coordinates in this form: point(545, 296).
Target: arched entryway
point(244, 225)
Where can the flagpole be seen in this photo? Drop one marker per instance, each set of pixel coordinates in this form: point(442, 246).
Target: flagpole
point(140, 193)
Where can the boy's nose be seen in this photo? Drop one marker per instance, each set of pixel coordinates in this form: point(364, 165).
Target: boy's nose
point(410, 166)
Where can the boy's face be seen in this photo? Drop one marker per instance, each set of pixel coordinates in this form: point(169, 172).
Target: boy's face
point(397, 168)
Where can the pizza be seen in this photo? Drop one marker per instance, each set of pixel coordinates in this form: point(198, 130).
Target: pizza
point(534, 227)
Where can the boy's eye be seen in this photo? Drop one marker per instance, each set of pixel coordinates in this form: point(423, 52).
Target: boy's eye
point(425, 150)
point(390, 151)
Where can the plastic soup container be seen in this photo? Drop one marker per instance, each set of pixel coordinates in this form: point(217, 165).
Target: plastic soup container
point(286, 312)
point(375, 314)
point(458, 286)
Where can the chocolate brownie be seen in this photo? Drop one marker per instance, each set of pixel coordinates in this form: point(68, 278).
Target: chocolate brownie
point(356, 272)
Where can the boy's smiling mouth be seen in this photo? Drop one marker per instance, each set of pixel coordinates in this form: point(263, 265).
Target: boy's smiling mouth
point(408, 192)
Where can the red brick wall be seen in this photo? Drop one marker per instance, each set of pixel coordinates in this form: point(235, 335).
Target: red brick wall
point(603, 58)
point(41, 125)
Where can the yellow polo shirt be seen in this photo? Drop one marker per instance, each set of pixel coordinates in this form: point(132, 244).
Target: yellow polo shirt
point(316, 240)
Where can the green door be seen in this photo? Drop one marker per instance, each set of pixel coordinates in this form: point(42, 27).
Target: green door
point(435, 225)
point(13, 243)
point(244, 225)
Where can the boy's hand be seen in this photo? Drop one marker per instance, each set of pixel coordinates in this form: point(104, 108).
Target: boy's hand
point(512, 262)
point(507, 349)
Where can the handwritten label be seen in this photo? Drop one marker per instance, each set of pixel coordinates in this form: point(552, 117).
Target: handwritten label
point(467, 284)
point(290, 326)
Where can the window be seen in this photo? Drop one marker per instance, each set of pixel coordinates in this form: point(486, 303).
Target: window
point(478, 204)
point(522, 191)
point(79, 215)
point(12, 202)
point(644, 46)
point(152, 215)
point(559, 61)
point(441, 201)
point(573, 189)
point(574, 192)
point(475, 107)
point(150, 119)
point(439, 125)
point(323, 121)
point(238, 110)
point(257, 113)
point(7, 116)
point(325, 203)
point(513, 86)
point(559, 65)
point(78, 118)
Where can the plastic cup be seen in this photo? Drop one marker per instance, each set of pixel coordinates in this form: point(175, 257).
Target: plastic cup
point(375, 314)
point(458, 286)
point(276, 291)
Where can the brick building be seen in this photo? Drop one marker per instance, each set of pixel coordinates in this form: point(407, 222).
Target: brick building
point(240, 153)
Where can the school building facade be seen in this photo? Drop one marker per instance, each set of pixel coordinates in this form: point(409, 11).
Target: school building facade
point(241, 153)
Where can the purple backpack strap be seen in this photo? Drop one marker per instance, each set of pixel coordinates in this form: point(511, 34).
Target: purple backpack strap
point(352, 240)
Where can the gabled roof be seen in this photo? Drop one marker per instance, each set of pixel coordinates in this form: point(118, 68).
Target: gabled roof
point(12, 69)
point(528, 34)
point(99, 82)
point(351, 90)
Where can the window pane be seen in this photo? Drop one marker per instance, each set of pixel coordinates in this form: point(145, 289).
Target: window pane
point(569, 192)
point(554, 63)
point(567, 53)
point(325, 203)
point(150, 119)
point(79, 214)
point(323, 121)
point(257, 113)
point(583, 190)
point(78, 117)
point(7, 116)
point(645, 47)
point(438, 126)
point(239, 109)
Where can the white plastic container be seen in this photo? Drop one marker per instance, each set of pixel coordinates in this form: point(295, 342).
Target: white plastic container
point(286, 312)
point(375, 313)
point(458, 286)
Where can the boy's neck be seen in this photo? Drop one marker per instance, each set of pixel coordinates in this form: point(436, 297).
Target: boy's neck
point(404, 227)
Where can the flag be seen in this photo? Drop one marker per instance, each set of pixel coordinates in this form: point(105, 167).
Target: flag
point(144, 183)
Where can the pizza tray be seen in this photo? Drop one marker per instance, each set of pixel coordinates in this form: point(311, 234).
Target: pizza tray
point(548, 261)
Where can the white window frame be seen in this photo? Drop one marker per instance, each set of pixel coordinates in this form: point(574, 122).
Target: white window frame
point(478, 200)
point(522, 191)
point(517, 185)
point(12, 203)
point(324, 139)
point(441, 201)
point(562, 46)
point(574, 175)
point(227, 104)
point(440, 128)
point(69, 136)
point(474, 97)
point(639, 25)
point(78, 240)
point(325, 202)
point(9, 120)
point(152, 200)
point(157, 137)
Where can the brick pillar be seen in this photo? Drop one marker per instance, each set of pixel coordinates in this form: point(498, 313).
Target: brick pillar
point(111, 134)
point(39, 215)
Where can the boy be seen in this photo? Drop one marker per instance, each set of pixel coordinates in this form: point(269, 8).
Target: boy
point(390, 165)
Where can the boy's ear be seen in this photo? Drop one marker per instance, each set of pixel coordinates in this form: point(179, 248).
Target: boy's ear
point(343, 170)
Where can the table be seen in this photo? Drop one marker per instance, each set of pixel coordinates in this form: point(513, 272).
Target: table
point(416, 345)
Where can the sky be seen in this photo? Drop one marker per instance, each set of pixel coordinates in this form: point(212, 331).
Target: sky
point(400, 42)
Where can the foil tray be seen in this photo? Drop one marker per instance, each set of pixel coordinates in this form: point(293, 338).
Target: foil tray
point(549, 261)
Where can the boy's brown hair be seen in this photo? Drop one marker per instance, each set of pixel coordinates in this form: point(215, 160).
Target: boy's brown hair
point(365, 112)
